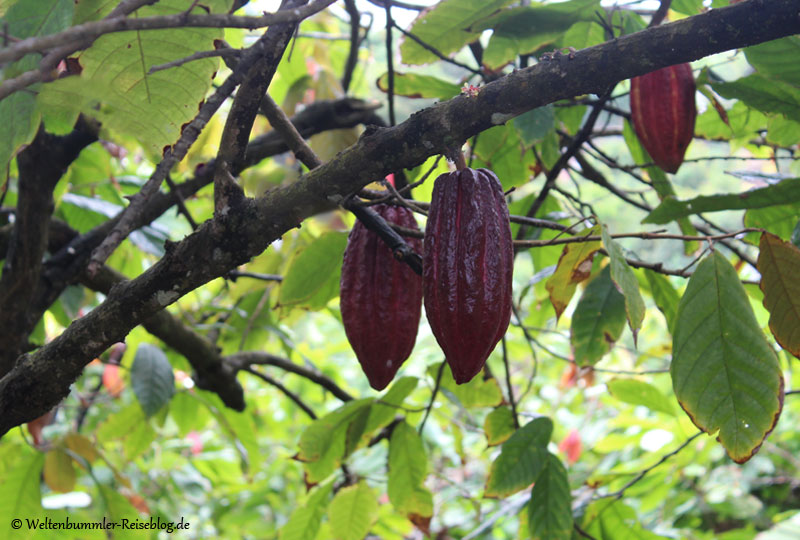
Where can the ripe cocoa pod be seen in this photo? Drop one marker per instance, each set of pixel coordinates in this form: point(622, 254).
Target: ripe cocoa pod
point(663, 112)
point(467, 267)
point(380, 299)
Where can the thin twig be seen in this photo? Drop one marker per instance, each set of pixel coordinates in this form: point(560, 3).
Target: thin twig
point(233, 53)
point(509, 387)
point(291, 395)
point(433, 396)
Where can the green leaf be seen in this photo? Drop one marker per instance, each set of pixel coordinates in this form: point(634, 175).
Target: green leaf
point(474, 394)
point(638, 392)
point(610, 519)
point(118, 424)
point(782, 131)
point(533, 125)
point(550, 506)
point(574, 266)
point(305, 520)
point(353, 511)
point(664, 295)
point(626, 281)
point(598, 321)
point(413, 85)
point(764, 94)
point(742, 122)
point(521, 459)
point(724, 372)
point(779, 220)
point(317, 437)
point(498, 426)
point(116, 88)
point(521, 30)
point(787, 191)
point(59, 472)
point(21, 494)
point(777, 59)
point(313, 274)
point(687, 7)
point(152, 378)
point(501, 150)
point(408, 467)
point(779, 264)
point(444, 27)
point(385, 407)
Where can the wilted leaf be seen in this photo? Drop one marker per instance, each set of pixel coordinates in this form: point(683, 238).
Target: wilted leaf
point(779, 264)
point(625, 280)
point(574, 266)
point(59, 472)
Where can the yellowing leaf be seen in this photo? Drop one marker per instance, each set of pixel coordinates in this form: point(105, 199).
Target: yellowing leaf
point(59, 473)
point(574, 266)
point(779, 264)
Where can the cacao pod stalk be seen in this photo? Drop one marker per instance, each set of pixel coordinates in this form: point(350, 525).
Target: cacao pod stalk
point(467, 268)
point(380, 299)
point(664, 112)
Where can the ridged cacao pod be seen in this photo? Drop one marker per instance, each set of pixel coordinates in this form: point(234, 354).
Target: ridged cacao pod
point(663, 112)
point(467, 267)
point(380, 298)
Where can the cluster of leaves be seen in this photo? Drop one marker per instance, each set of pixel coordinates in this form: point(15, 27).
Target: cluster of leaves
point(137, 438)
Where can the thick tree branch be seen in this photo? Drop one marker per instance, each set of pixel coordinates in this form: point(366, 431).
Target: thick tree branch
point(41, 379)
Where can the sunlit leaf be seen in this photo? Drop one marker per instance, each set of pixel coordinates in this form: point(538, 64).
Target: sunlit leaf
point(763, 94)
point(498, 426)
point(408, 467)
point(414, 85)
point(304, 522)
point(59, 472)
point(313, 274)
point(779, 264)
point(478, 392)
point(353, 511)
point(444, 27)
point(638, 392)
point(21, 494)
point(317, 437)
point(724, 373)
point(599, 319)
point(777, 59)
point(574, 266)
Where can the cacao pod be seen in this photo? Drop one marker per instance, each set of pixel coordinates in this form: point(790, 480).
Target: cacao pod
point(380, 299)
point(663, 112)
point(467, 267)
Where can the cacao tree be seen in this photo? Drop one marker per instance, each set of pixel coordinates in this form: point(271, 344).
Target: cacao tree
point(191, 344)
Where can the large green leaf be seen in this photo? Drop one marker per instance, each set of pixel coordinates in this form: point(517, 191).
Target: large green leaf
point(533, 125)
point(521, 460)
point(152, 378)
point(638, 392)
point(498, 426)
point(550, 506)
point(19, 118)
point(21, 494)
point(521, 30)
point(777, 59)
point(445, 28)
point(304, 522)
point(115, 86)
point(786, 191)
point(313, 274)
point(501, 150)
point(724, 372)
point(574, 266)
point(415, 85)
point(611, 519)
point(779, 264)
point(385, 407)
point(598, 320)
point(626, 281)
point(353, 511)
point(764, 94)
point(779, 220)
point(408, 467)
point(316, 438)
point(664, 295)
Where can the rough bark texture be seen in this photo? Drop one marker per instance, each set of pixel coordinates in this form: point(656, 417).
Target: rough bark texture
point(41, 379)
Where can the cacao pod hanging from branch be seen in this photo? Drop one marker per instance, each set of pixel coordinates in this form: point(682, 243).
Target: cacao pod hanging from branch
point(467, 268)
point(663, 112)
point(380, 298)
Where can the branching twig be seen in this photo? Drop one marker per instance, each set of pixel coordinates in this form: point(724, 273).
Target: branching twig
point(291, 395)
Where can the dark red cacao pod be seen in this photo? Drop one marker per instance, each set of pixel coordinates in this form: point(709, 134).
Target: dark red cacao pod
point(380, 298)
point(467, 267)
point(663, 112)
